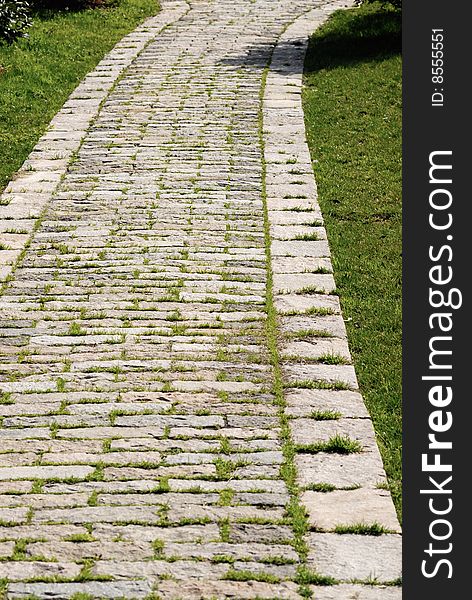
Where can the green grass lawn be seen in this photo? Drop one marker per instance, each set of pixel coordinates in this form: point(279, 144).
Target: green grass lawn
point(37, 74)
point(352, 103)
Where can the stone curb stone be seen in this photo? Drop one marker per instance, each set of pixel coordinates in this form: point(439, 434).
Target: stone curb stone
point(341, 470)
point(343, 557)
point(356, 557)
point(347, 508)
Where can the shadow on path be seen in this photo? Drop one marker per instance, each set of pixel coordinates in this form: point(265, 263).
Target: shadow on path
point(360, 38)
point(257, 56)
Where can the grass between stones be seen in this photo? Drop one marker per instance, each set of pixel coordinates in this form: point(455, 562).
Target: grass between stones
point(38, 73)
point(338, 444)
point(352, 103)
point(296, 512)
point(361, 529)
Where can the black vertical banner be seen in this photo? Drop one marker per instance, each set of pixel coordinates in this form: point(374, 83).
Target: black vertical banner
point(437, 396)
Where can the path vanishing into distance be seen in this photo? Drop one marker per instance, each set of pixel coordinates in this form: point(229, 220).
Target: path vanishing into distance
point(180, 414)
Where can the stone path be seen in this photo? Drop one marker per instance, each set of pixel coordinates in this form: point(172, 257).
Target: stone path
point(176, 382)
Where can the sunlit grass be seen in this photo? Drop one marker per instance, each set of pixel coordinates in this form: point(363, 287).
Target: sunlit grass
point(38, 73)
point(352, 102)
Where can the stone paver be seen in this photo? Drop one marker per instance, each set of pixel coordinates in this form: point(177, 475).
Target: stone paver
point(357, 592)
point(349, 508)
point(142, 445)
point(349, 557)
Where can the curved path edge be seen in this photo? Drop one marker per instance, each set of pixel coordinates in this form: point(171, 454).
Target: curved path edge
point(28, 193)
point(303, 281)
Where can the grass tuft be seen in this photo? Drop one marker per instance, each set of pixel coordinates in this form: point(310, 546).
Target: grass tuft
point(306, 576)
point(338, 444)
point(325, 415)
point(5, 398)
point(319, 384)
point(330, 358)
point(233, 575)
point(361, 529)
point(321, 487)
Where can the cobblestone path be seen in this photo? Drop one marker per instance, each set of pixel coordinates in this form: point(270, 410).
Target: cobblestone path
point(177, 394)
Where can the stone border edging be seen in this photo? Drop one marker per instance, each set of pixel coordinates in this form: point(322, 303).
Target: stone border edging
point(28, 193)
point(303, 283)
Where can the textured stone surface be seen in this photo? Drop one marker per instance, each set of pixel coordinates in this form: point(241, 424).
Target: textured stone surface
point(357, 592)
point(141, 438)
point(303, 402)
point(118, 589)
point(341, 470)
point(351, 507)
point(347, 557)
point(228, 590)
point(21, 570)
